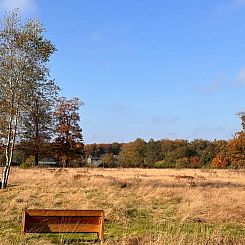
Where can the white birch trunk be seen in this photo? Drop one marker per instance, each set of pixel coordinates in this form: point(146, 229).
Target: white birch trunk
point(9, 148)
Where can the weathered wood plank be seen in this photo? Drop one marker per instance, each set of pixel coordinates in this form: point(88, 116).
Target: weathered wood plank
point(43, 212)
point(61, 228)
point(63, 220)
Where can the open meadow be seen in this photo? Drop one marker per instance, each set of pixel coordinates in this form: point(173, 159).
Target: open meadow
point(142, 206)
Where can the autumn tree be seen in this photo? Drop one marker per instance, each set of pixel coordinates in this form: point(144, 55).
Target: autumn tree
point(195, 162)
point(90, 150)
point(153, 152)
point(236, 150)
point(220, 161)
point(208, 154)
point(115, 148)
point(178, 151)
point(97, 150)
point(68, 131)
point(108, 160)
point(24, 53)
point(133, 154)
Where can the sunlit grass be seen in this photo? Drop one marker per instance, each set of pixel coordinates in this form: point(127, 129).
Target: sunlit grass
point(141, 206)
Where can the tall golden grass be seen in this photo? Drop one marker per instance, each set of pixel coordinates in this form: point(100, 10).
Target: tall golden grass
point(142, 206)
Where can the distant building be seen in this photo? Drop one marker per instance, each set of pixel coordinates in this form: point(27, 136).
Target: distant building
point(48, 162)
point(94, 161)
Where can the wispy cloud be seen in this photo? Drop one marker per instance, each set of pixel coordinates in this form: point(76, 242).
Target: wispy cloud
point(241, 76)
point(97, 36)
point(230, 5)
point(239, 2)
point(22, 5)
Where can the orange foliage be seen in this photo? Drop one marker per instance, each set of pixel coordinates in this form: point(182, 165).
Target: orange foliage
point(220, 161)
point(195, 161)
point(236, 150)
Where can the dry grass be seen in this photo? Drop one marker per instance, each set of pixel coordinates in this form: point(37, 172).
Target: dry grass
point(141, 206)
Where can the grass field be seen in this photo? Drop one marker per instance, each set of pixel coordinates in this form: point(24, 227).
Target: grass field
point(142, 206)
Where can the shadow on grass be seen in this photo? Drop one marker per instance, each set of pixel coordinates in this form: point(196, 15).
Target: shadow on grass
point(183, 183)
point(65, 238)
point(197, 184)
point(79, 241)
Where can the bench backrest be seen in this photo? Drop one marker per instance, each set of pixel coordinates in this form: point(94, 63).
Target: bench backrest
point(63, 221)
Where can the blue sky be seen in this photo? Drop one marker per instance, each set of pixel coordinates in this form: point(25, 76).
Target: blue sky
point(148, 68)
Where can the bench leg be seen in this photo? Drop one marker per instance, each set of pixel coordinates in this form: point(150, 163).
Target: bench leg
point(101, 237)
point(23, 216)
point(22, 235)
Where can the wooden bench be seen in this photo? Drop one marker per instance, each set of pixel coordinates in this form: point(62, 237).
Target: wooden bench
point(63, 221)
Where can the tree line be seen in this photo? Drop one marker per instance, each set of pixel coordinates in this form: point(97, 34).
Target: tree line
point(69, 151)
point(167, 153)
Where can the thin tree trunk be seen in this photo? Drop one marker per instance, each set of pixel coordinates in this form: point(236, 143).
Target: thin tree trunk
point(7, 156)
point(10, 149)
point(36, 159)
point(37, 139)
point(66, 163)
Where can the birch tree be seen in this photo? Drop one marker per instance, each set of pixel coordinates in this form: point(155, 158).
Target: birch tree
point(24, 53)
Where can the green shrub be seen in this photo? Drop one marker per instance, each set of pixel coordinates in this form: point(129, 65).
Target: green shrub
point(164, 164)
point(182, 162)
point(28, 163)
